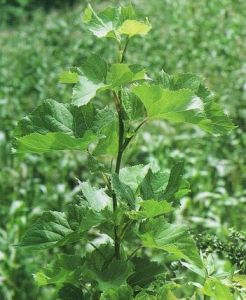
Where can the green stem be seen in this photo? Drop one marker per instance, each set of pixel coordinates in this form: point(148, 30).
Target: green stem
point(121, 148)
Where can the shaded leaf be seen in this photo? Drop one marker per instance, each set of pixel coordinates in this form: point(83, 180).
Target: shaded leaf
point(123, 191)
point(109, 276)
point(64, 269)
point(145, 272)
point(68, 77)
point(70, 292)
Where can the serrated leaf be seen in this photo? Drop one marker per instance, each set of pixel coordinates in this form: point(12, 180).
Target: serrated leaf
point(154, 184)
point(133, 176)
point(145, 272)
point(68, 77)
point(174, 239)
point(50, 230)
point(103, 23)
point(123, 292)
point(132, 106)
point(64, 269)
point(97, 199)
point(215, 288)
point(123, 191)
point(90, 81)
point(106, 125)
point(52, 141)
point(112, 22)
point(111, 275)
point(54, 228)
point(151, 209)
point(121, 74)
point(174, 181)
point(184, 106)
point(134, 27)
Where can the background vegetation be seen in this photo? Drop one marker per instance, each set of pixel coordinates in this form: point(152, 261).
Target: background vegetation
point(39, 41)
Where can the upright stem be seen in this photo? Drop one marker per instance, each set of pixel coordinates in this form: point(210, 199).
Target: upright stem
point(121, 149)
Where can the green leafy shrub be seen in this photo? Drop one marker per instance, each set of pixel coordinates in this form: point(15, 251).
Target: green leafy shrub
point(125, 240)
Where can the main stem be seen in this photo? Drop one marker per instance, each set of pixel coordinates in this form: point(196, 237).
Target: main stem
point(121, 148)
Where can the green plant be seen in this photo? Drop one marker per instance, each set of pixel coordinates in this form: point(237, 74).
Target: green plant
point(125, 225)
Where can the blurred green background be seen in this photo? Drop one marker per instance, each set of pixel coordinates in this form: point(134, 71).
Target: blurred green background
point(39, 39)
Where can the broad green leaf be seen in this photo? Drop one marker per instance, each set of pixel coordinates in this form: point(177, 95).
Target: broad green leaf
point(106, 124)
point(154, 184)
point(97, 199)
point(53, 141)
point(182, 105)
point(102, 24)
point(133, 27)
point(123, 191)
point(112, 22)
point(50, 230)
point(109, 273)
point(70, 292)
point(145, 272)
point(68, 77)
point(133, 176)
point(64, 269)
point(81, 217)
point(174, 239)
point(54, 228)
point(123, 292)
point(52, 116)
point(145, 296)
point(151, 209)
point(215, 288)
point(133, 107)
point(174, 181)
point(121, 74)
point(177, 106)
point(91, 80)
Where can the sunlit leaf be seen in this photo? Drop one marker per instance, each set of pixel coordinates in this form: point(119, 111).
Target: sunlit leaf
point(133, 27)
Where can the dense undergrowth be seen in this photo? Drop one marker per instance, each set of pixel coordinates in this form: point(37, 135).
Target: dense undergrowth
point(204, 37)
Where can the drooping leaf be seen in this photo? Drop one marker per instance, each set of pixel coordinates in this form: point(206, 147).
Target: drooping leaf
point(64, 269)
point(52, 141)
point(123, 292)
point(182, 105)
point(151, 209)
point(110, 275)
point(174, 239)
point(123, 191)
point(145, 272)
point(134, 27)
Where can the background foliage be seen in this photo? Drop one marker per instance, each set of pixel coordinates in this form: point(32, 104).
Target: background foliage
point(37, 43)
